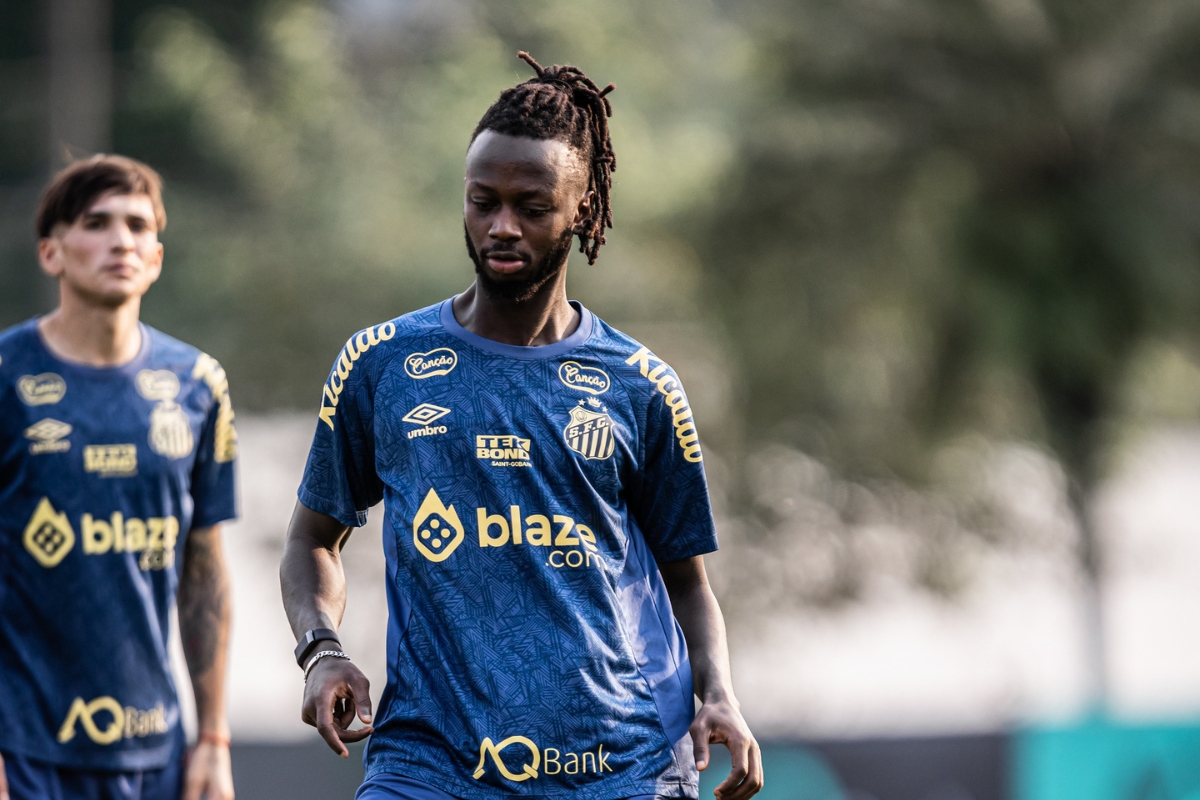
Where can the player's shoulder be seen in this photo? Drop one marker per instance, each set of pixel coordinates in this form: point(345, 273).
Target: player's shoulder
point(634, 364)
point(374, 347)
point(17, 341)
point(189, 363)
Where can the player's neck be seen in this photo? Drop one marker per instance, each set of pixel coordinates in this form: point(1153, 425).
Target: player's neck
point(544, 319)
point(88, 333)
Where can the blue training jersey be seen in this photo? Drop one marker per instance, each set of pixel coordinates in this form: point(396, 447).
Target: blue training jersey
point(103, 471)
point(529, 494)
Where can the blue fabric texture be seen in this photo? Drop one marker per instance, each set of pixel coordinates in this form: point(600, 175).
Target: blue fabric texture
point(529, 495)
point(102, 474)
point(33, 780)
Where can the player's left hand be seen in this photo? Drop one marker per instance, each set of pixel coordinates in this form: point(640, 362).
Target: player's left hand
point(722, 722)
point(209, 773)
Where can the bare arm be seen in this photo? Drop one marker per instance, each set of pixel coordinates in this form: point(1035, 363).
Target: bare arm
point(314, 596)
point(204, 614)
point(720, 717)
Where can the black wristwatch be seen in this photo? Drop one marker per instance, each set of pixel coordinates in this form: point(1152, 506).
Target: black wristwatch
point(308, 643)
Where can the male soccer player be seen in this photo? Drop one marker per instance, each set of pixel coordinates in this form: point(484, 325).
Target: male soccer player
point(546, 512)
point(116, 469)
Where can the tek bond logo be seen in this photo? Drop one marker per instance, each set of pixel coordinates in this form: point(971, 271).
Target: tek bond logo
point(526, 758)
point(438, 532)
point(354, 349)
point(118, 722)
point(681, 412)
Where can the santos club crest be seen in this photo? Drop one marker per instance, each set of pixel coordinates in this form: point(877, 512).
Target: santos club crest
point(590, 433)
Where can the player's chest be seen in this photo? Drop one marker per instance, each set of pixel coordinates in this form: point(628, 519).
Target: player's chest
point(559, 417)
point(105, 429)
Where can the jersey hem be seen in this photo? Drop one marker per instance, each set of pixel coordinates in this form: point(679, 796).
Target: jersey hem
point(131, 761)
point(451, 785)
point(327, 507)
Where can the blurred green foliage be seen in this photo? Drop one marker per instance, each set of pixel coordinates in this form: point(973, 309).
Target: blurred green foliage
point(881, 225)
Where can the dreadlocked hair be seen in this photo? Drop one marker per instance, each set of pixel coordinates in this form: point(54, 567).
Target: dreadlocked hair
point(562, 103)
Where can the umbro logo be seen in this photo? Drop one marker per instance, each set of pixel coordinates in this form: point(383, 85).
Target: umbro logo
point(424, 415)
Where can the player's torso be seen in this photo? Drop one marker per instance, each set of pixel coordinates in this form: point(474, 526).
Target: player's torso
point(509, 539)
point(95, 468)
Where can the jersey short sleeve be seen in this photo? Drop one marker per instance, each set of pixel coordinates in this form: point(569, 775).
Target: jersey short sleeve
point(670, 501)
point(213, 485)
point(340, 478)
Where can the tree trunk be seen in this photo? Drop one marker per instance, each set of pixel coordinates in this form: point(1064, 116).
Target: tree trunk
point(81, 77)
point(1095, 639)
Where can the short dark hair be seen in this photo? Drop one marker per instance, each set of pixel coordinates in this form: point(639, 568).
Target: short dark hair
point(564, 104)
point(78, 185)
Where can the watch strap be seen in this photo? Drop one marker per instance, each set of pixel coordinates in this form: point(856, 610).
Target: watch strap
point(308, 643)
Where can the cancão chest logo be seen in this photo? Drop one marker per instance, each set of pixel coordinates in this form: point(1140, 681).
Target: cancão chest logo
point(519, 759)
point(41, 390)
point(592, 380)
point(441, 361)
point(105, 721)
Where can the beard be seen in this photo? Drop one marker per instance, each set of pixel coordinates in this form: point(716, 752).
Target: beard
point(525, 289)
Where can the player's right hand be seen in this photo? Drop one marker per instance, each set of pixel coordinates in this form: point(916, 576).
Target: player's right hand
point(3, 781)
point(336, 692)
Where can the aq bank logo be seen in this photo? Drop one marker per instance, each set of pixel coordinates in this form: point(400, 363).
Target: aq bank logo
point(529, 765)
point(437, 530)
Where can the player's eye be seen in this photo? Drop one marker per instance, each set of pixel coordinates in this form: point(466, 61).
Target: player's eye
point(483, 205)
point(535, 213)
point(94, 223)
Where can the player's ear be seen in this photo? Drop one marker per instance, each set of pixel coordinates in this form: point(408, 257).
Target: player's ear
point(154, 268)
point(50, 256)
point(584, 212)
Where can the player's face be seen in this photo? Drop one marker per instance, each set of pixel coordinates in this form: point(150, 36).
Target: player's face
point(524, 199)
point(109, 255)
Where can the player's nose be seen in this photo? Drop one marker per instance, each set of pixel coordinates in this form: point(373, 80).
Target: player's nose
point(506, 225)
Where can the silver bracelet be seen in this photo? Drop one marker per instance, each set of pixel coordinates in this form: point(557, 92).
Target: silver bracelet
point(318, 656)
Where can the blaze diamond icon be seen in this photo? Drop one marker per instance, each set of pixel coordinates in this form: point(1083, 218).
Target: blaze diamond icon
point(425, 414)
point(48, 536)
point(437, 530)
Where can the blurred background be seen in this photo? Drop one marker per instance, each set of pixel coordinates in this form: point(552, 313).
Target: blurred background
point(929, 268)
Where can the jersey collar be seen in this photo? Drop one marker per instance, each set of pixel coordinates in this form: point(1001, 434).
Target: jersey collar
point(581, 335)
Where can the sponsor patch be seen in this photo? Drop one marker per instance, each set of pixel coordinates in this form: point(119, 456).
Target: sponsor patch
point(437, 530)
point(660, 376)
point(504, 450)
point(354, 349)
point(441, 361)
point(48, 436)
point(48, 535)
point(526, 761)
point(212, 373)
point(105, 721)
point(110, 460)
point(592, 380)
point(41, 390)
point(425, 414)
